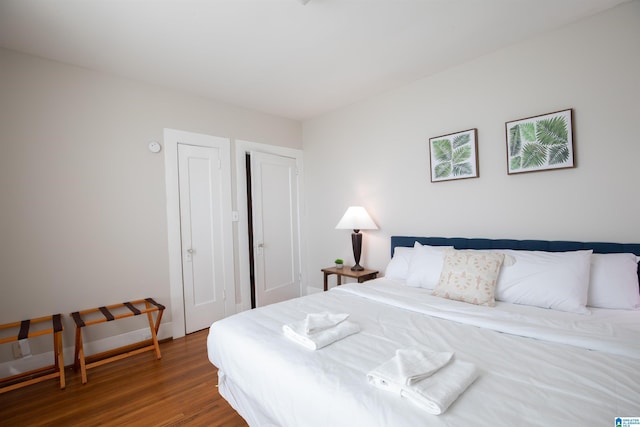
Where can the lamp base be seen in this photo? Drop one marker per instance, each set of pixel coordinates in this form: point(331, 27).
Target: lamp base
point(356, 243)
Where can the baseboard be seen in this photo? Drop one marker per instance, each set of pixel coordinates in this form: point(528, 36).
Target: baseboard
point(29, 363)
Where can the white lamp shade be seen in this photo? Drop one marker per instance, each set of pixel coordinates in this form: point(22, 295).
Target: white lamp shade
point(356, 218)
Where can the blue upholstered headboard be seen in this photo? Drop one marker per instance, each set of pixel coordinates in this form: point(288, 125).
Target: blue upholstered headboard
point(530, 245)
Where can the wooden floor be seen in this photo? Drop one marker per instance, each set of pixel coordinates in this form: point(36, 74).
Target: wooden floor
point(178, 390)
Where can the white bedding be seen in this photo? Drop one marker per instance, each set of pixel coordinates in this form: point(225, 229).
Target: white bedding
point(576, 370)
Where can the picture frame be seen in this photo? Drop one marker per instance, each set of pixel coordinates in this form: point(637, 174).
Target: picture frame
point(454, 156)
point(540, 143)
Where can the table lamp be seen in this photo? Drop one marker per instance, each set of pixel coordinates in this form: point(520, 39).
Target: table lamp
point(356, 218)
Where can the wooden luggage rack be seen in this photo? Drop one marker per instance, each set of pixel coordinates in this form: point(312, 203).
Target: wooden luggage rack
point(150, 306)
point(41, 374)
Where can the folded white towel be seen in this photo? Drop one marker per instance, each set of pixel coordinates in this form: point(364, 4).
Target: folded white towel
point(316, 322)
point(435, 393)
point(409, 366)
point(296, 332)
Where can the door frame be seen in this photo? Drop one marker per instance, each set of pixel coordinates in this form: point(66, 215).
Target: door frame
point(171, 139)
point(241, 149)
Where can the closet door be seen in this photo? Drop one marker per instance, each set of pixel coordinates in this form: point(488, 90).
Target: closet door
point(276, 234)
point(200, 230)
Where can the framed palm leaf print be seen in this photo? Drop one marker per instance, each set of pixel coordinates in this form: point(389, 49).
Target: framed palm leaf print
point(540, 143)
point(454, 156)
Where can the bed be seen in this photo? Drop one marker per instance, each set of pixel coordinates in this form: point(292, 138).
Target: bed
point(541, 358)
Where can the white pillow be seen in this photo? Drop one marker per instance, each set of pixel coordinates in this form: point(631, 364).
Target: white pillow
point(469, 276)
point(398, 267)
point(614, 281)
point(557, 280)
point(426, 265)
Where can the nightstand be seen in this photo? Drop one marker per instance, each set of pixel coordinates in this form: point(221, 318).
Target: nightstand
point(346, 271)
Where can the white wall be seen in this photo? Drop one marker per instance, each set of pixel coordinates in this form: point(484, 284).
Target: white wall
point(375, 153)
point(83, 218)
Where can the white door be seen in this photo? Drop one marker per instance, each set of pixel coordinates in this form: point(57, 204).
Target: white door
point(276, 234)
point(203, 234)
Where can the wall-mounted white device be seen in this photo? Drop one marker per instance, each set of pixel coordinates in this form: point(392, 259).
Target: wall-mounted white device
point(155, 147)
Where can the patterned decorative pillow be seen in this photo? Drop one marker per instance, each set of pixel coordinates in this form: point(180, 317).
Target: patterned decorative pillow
point(469, 276)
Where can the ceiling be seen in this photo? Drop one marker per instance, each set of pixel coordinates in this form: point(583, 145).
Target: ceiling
point(279, 56)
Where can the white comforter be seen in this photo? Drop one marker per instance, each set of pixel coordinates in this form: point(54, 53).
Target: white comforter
point(575, 370)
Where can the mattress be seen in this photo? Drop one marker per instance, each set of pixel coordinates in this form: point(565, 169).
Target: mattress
point(537, 366)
